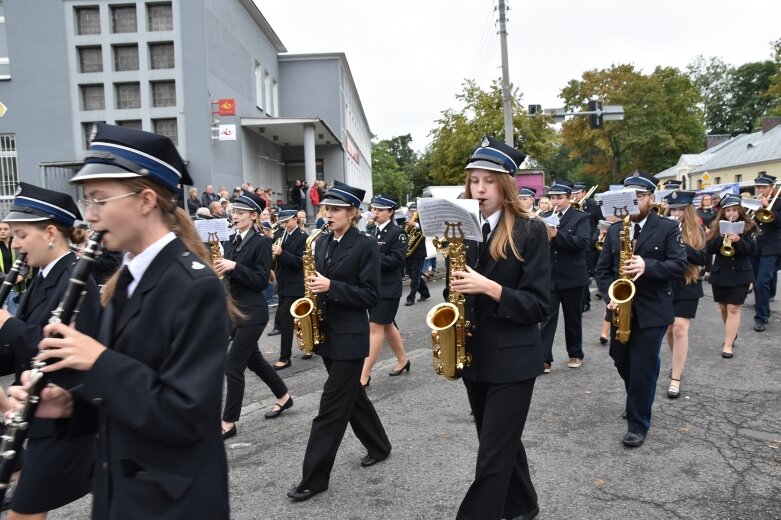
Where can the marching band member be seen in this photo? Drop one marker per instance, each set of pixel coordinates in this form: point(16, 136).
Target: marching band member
point(526, 194)
point(246, 266)
point(731, 276)
point(569, 275)
point(417, 284)
point(687, 290)
point(347, 283)
point(154, 379)
point(507, 286)
point(290, 280)
point(392, 241)
point(658, 256)
point(55, 471)
point(592, 208)
point(769, 254)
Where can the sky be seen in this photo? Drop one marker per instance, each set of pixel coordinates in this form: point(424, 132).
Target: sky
point(409, 59)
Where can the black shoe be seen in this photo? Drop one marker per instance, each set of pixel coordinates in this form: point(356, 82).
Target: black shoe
point(273, 332)
point(623, 414)
point(529, 515)
point(307, 356)
point(424, 298)
point(368, 460)
point(759, 326)
point(368, 382)
point(586, 308)
point(283, 366)
point(603, 340)
point(277, 412)
point(634, 440)
point(227, 434)
point(300, 496)
point(597, 296)
point(726, 355)
point(410, 302)
point(401, 370)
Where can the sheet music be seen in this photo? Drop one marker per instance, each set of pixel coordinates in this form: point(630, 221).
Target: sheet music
point(434, 213)
point(552, 220)
point(660, 195)
point(217, 225)
point(725, 227)
point(750, 204)
point(619, 203)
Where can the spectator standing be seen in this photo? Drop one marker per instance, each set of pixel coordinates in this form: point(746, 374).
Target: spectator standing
point(193, 202)
point(209, 196)
point(295, 194)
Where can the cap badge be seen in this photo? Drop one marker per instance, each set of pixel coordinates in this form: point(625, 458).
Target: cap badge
point(674, 195)
point(636, 174)
point(485, 142)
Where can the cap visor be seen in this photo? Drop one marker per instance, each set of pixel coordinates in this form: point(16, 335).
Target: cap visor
point(485, 165)
point(20, 216)
point(241, 205)
point(330, 201)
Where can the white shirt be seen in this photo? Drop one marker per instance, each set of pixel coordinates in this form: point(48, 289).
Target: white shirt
point(492, 220)
point(382, 226)
point(46, 270)
point(632, 227)
point(138, 264)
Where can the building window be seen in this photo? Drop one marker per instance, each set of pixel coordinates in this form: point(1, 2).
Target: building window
point(125, 57)
point(161, 55)
point(274, 99)
point(90, 59)
point(123, 19)
point(5, 68)
point(258, 85)
point(717, 180)
point(738, 178)
point(131, 123)
point(163, 94)
point(88, 131)
point(166, 127)
point(128, 95)
point(87, 20)
point(159, 17)
point(267, 92)
point(9, 175)
point(92, 97)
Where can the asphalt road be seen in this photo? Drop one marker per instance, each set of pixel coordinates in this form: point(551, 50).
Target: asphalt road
point(713, 453)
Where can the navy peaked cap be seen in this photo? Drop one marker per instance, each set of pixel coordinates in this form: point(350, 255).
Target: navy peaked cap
point(250, 202)
point(764, 179)
point(643, 181)
point(729, 200)
point(560, 187)
point(286, 214)
point(679, 198)
point(35, 204)
point(527, 191)
point(381, 201)
point(494, 155)
point(342, 194)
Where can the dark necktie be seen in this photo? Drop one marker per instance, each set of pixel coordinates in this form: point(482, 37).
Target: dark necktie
point(559, 214)
point(637, 232)
point(119, 299)
point(486, 232)
point(237, 240)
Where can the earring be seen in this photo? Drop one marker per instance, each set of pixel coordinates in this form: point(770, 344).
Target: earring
point(51, 245)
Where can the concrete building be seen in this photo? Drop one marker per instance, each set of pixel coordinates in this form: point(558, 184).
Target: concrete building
point(210, 74)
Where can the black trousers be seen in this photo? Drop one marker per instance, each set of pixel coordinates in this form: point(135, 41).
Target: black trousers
point(638, 365)
point(571, 301)
point(244, 353)
point(285, 326)
point(343, 400)
point(502, 487)
point(416, 282)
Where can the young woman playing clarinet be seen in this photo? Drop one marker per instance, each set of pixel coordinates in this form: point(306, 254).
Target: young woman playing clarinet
point(507, 285)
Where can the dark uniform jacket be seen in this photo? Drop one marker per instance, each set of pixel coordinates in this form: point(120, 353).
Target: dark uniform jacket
point(393, 252)
point(568, 251)
point(158, 391)
point(354, 271)
point(735, 270)
point(20, 336)
point(419, 254)
point(692, 291)
point(770, 238)
point(249, 278)
point(661, 247)
point(505, 343)
point(290, 266)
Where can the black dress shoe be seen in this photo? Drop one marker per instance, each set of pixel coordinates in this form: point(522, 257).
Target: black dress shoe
point(603, 340)
point(273, 332)
point(586, 308)
point(623, 414)
point(227, 434)
point(409, 302)
point(368, 460)
point(401, 370)
point(283, 366)
point(423, 298)
point(307, 356)
point(726, 355)
point(633, 440)
point(277, 412)
point(759, 326)
point(300, 496)
point(529, 515)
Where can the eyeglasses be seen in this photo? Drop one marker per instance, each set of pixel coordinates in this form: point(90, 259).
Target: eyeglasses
point(95, 204)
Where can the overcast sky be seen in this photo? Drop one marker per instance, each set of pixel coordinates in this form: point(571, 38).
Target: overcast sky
point(409, 58)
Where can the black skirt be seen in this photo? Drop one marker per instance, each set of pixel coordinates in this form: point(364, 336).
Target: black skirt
point(385, 311)
point(730, 295)
point(55, 472)
point(685, 308)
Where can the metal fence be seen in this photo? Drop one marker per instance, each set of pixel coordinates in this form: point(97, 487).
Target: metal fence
point(9, 176)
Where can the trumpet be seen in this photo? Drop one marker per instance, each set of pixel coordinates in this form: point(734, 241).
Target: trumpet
point(766, 215)
point(727, 249)
point(656, 208)
point(600, 241)
point(579, 205)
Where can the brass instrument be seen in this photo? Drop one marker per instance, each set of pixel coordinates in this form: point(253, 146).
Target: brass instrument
point(414, 234)
point(727, 249)
point(656, 208)
point(306, 315)
point(766, 215)
point(578, 205)
point(600, 241)
point(214, 250)
point(622, 290)
point(447, 320)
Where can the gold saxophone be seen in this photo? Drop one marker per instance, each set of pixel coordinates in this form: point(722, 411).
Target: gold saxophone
point(306, 315)
point(414, 234)
point(622, 290)
point(214, 249)
point(447, 320)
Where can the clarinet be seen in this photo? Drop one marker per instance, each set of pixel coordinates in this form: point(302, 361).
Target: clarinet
point(10, 279)
point(17, 426)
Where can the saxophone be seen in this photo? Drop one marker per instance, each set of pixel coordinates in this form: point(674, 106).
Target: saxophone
point(214, 249)
point(414, 234)
point(306, 315)
point(622, 290)
point(447, 320)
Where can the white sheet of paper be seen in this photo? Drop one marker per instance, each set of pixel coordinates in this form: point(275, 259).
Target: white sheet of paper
point(552, 220)
point(619, 203)
point(725, 226)
point(435, 213)
point(217, 225)
point(750, 204)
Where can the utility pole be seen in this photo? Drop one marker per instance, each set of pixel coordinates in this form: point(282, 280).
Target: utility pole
point(506, 94)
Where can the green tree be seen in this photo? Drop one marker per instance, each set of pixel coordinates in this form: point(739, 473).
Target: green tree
point(459, 131)
point(750, 97)
point(387, 176)
point(712, 76)
point(775, 86)
point(420, 173)
point(662, 120)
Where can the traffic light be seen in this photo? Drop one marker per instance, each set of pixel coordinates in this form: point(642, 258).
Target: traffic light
point(595, 120)
point(535, 109)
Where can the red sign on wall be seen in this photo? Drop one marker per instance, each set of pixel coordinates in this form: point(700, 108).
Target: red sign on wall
point(226, 107)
